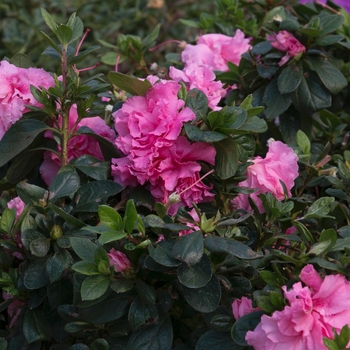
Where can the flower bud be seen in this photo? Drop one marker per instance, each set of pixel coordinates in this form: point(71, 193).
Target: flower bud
point(56, 232)
point(118, 260)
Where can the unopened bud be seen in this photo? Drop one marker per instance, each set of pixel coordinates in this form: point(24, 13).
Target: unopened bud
point(56, 232)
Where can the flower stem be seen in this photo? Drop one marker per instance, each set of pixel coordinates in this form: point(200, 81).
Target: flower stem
point(65, 110)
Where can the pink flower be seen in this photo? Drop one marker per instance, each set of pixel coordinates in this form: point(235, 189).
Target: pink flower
point(14, 309)
point(194, 227)
point(342, 3)
point(216, 50)
point(241, 307)
point(148, 134)
point(311, 314)
point(201, 78)
point(286, 42)
point(15, 92)
point(79, 145)
point(118, 260)
point(17, 204)
point(280, 163)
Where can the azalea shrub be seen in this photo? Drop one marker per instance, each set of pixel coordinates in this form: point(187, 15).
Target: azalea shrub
point(196, 201)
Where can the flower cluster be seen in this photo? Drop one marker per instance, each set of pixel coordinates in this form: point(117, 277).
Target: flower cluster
point(79, 145)
point(15, 92)
point(286, 42)
point(216, 50)
point(312, 312)
point(148, 134)
point(280, 163)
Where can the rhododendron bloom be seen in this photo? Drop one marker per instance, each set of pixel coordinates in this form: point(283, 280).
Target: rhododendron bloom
point(148, 134)
point(286, 42)
point(79, 145)
point(17, 204)
point(15, 91)
point(241, 307)
point(280, 163)
point(201, 78)
point(310, 316)
point(216, 50)
point(118, 260)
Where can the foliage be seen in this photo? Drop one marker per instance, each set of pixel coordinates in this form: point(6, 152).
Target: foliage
point(181, 271)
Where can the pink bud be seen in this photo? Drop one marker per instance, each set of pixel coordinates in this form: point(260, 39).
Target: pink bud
point(119, 260)
point(311, 277)
point(241, 307)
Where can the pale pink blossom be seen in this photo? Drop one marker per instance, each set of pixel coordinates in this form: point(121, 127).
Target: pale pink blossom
point(201, 78)
point(310, 315)
point(79, 145)
point(118, 260)
point(286, 42)
point(216, 50)
point(280, 163)
point(241, 307)
point(155, 155)
point(17, 204)
point(15, 92)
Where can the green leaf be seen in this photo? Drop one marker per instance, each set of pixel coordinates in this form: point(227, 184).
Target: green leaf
point(320, 248)
point(99, 344)
point(82, 55)
point(110, 217)
point(216, 340)
point(57, 263)
point(276, 102)
point(111, 236)
point(270, 278)
point(129, 84)
point(241, 250)
point(40, 246)
point(141, 314)
point(78, 28)
point(329, 23)
point(51, 43)
point(65, 183)
point(49, 20)
point(226, 160)
point(146, 292)
point(36, 327)
point(64, 34)
point(289, 24)
point(21, 60)
point(130, 216)
point(198, 102)
point(18, 137)
point(189, 248)
point(35, 276)
point(309, 97)
point(328, 235)
point(197, 275)
point(162, 254)
point(91, 166)
point(154, 337)
point(68, 218)
point(205, 299)
point(303, 142)
point(32, 194)
point(319, 209)
point(290, 78)
point(243, 325)
point(196, 134)
point(92, 194)
point(7, 220)
point(122, 286)
point(329, 40)
point(94, 286)
point(85, 268)
point(84, 248)
point(149, 39)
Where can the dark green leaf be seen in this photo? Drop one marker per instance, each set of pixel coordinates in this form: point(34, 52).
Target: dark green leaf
point(110, 217)
point(84, 248)
point(36, 327)
point(241, 250)
point(49, 20)
point(21, 60)
point(7, 220)
point(155, 337)
point(68, 218)
point(99, 344)
point(40, 246)
point(189, 248)
point(57, 263)
point(141, 314)
point(205, 299)
point(130, 216)
point(196, 134)
point(85, 268)
point(64, 34)
point(18, 137)
point(146, 292)
point(65, 183)
point(329, 40)
point(243, 325)
point(198, 102)
point(197, 275)
point(216, 340)
point(129, 84)
point(162, 254)
point(35, 276)
point(329, 23)
point(226, 161)
point(94, 286)
point(290, 78)
point(319, 208)
point(150, 38)
point(92, 167)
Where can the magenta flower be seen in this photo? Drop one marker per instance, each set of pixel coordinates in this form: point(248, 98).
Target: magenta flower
point(280, 163)
point(286, 42)
point(241, 307)
point(79, 145)
point(311, 314)
point(118, 260)
point(15, 92)
point(17, 204)
point(201, 78)
point(345, 4)
point(216, 50)
point(148, 134)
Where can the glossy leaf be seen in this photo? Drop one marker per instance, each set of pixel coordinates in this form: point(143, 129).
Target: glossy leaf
point(129, 84)
point(189, 248)
point(93, 287)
